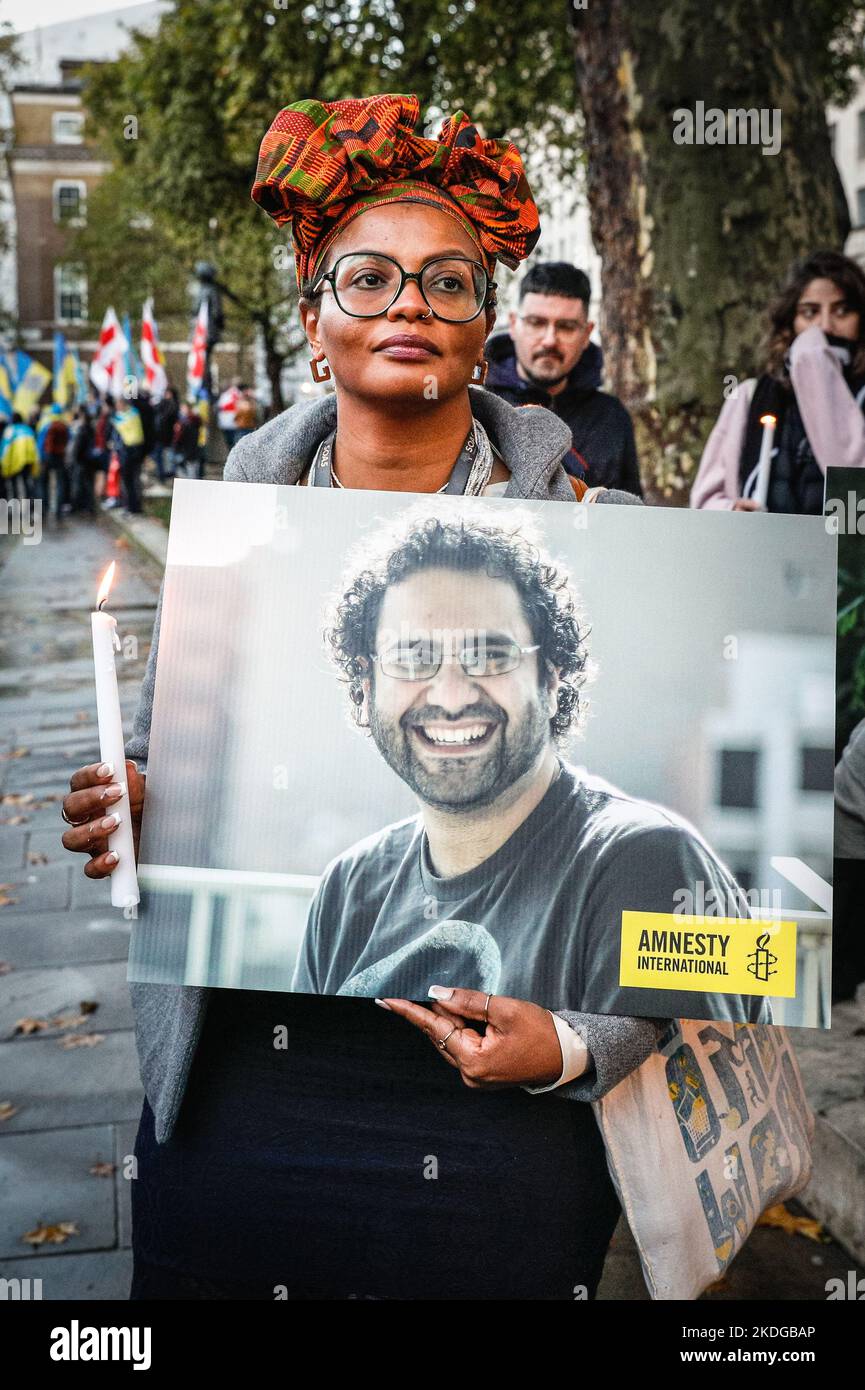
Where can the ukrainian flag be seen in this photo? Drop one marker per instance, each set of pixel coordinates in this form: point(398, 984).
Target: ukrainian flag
point(5, 392)
point(80, 379)
point(65, 374)
point(28, 379)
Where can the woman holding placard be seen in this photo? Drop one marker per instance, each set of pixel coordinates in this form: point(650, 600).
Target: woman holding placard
point(309, 1170)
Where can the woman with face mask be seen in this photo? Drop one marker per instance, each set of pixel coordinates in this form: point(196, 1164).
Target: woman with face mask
point(350, 1161)
point(814, 386)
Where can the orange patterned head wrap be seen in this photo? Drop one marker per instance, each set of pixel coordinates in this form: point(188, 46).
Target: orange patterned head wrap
point(323, 163)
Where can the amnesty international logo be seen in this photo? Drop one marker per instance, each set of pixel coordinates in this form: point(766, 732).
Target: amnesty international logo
point(710, 955)
point(761, 960)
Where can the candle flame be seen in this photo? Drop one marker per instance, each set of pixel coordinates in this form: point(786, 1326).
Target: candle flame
point(105, 584)
point(769, 420)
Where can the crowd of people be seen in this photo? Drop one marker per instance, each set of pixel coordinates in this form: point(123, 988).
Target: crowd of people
point(812, 381)
point(93, 456)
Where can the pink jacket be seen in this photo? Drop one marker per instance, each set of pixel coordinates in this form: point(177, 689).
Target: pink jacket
point(834, 422)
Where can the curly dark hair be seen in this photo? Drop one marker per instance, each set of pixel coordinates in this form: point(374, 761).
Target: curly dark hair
point(846, 275)
point(423, 541)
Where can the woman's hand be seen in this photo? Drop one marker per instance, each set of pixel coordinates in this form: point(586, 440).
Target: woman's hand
point(519, 1048)
point(747, 504)
point(90, 804)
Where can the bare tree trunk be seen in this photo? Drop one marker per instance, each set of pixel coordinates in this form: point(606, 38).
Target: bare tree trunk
point(273, 365)
point(274, 361)
point(696, 237)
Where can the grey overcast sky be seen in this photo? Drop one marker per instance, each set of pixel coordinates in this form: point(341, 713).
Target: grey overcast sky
point(25, 14)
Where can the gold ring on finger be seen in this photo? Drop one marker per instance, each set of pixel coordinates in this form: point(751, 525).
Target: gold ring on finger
point(442, 1042)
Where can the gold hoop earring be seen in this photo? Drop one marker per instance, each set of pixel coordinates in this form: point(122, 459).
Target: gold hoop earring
point(319, 375)
point(479, 372)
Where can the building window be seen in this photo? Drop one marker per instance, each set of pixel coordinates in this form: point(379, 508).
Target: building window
point(817, 769)
point(738, 771)
point(743, 872)
point(70, 202)
point(67, 127)
point(860, 207)
point(70, 294)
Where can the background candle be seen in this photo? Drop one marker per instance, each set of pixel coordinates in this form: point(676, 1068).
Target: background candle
point(124, 879)
point(764, 463)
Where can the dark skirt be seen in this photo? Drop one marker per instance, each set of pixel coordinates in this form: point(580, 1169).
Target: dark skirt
point(353, 1162)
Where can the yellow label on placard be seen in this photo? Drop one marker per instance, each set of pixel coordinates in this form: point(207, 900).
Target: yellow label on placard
point(715, 955)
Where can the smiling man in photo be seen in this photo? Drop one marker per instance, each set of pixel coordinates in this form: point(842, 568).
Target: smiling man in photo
point(465, 656)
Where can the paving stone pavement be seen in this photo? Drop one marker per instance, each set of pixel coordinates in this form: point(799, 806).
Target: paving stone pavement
point(76, 1109)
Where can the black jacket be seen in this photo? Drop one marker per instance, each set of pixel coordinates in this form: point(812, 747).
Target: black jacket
point(604, 452)
point(167, 414)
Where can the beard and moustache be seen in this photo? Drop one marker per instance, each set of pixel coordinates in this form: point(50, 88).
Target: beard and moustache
point(553, 376)
point(472, 782)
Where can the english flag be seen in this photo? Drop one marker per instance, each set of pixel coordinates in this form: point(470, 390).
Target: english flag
point(155, 378)
point(108, 370)
point(195, 362)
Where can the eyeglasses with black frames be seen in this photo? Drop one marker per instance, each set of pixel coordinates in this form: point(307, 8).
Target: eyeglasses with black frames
point(420, 659)
point(366, 283)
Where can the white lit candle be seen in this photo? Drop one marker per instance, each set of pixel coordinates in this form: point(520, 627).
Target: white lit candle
point(124, 880)
point(764, 463)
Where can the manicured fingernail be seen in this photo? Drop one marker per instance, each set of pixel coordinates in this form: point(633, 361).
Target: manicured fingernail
point(105, 769)
point(114, 790)
point(112, 857)
point(439, 992)
point(383, 1005)
point(110, 821)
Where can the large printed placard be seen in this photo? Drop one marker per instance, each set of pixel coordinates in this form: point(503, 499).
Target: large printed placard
point(552, 752)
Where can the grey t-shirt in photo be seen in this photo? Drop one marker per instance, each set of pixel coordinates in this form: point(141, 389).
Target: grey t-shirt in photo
point(540, 919)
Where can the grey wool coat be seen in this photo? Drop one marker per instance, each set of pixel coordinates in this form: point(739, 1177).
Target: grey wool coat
point(169, 1018)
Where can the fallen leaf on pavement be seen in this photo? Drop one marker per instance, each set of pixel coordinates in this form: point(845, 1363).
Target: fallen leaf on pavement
point(35, 856)
point(41, 1025)
point(14, 820)
point(17, 799)
point(65, 1021)
point(102, 1170)
point(778, 1216)
point(7, 1110)
point(7, 901)
point(51, 1235)
point(81, 1040)
point(82, 716)
point(31, 1025)
point(15, 753)
point(5, 967)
